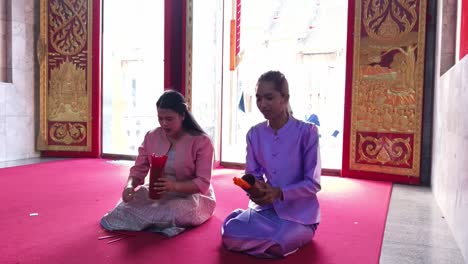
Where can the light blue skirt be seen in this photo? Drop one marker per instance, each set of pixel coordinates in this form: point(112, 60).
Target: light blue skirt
point(264, 234)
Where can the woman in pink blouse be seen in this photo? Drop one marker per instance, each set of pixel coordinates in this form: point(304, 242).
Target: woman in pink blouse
point(187, 196)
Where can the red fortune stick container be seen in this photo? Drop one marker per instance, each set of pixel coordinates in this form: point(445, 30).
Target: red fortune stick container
point(156, 171)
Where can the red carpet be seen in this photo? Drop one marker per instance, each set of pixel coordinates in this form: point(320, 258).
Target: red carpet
point(71, 196)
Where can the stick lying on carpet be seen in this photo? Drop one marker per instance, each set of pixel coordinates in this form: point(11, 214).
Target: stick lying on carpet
point(116, 237)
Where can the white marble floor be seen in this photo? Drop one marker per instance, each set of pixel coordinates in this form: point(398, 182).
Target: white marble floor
point(415, 231)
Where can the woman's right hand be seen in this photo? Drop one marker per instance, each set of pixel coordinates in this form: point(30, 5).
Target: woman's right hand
point(129, 190)
point(270, 193)
point(128, 194)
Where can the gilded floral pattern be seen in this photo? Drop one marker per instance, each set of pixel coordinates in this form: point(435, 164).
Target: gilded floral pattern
point(68, 25)
point(383, 150)
point(65, 57)
point(387, 87)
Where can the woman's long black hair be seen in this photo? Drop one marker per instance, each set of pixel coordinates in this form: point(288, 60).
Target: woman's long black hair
point(175, 101)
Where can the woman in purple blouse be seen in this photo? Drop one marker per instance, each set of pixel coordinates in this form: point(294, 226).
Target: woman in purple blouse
point(187, 196)
point(283, 154)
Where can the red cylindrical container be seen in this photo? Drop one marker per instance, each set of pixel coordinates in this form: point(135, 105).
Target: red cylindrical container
point(156, 171)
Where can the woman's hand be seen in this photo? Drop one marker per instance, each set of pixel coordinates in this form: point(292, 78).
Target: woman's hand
point(163, 185)
point(129, 190)
point(128, 193)
point(270, 193)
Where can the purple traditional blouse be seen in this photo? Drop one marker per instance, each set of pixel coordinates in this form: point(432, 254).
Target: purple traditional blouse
point(289, 159)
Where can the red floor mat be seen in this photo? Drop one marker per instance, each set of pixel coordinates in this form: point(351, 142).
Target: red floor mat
point(69, 197)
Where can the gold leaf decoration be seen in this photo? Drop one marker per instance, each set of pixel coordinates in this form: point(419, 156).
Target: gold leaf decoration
point(389, 20)
point(67, 97)
point(68, 26)
point(67, 133)
point(384, 151)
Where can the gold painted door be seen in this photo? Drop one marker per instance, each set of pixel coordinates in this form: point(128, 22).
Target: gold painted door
point(69, 90)
point(384, 92)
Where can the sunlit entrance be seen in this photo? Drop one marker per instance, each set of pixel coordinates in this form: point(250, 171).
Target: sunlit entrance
point(306, 40)
point(133, 71)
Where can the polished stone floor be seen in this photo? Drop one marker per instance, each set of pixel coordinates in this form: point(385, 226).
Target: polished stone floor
point(415, 232)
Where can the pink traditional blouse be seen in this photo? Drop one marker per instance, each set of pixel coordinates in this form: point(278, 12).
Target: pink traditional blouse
point(193, 158)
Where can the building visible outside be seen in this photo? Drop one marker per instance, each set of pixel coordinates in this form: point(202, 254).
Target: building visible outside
point(133, 77)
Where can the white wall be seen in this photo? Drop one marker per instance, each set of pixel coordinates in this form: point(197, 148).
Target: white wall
point(450, 150)
point(17, 104)
point(449, 171)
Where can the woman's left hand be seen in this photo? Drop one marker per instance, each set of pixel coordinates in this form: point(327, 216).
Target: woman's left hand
point(163, 185)
point(270, 194)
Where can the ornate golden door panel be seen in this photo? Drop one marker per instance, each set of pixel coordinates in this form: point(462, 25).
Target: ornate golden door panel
point(383, 126)
point(69, 83)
